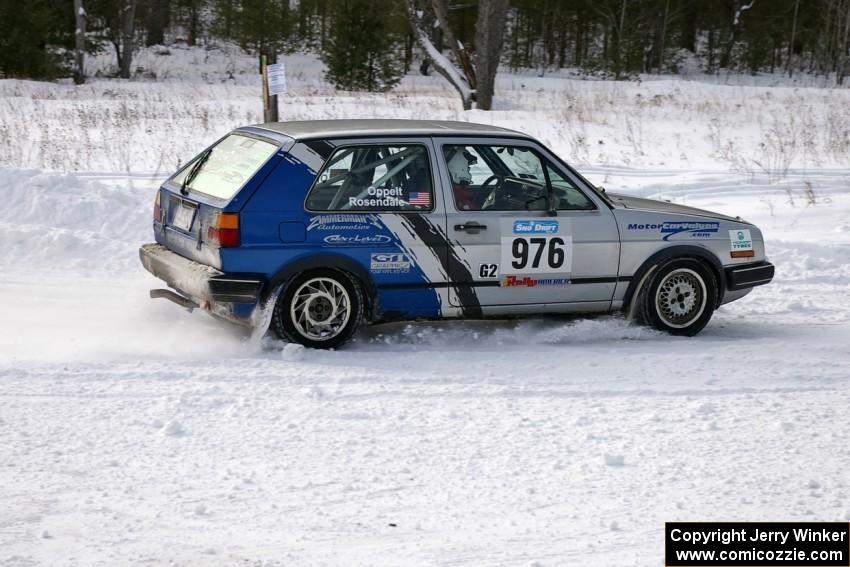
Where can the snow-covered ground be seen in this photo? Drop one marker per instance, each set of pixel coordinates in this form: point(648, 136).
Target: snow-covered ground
point(132, 432)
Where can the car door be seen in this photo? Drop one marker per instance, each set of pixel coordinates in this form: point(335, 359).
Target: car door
point(378, 201)
point(512, 251)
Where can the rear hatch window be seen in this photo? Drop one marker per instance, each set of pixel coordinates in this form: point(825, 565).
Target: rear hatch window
point(229, 165)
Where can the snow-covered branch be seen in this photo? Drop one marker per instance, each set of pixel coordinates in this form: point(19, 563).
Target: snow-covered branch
point(441, 63)
point(741, 10)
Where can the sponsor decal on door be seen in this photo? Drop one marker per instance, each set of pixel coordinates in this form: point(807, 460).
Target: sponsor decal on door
point(741, 239)
point(534, 246)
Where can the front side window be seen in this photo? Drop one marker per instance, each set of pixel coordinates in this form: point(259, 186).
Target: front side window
point(227, 167)
point(507, 178)
point(375, 178)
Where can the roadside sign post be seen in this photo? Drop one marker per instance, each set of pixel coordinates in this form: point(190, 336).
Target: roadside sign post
point(273, 75)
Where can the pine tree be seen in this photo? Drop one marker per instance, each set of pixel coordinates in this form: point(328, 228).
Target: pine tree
point(364, 45)
point(29, 36)
point(255, 24)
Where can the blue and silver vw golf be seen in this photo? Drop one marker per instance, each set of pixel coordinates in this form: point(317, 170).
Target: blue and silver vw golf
point(314, 227)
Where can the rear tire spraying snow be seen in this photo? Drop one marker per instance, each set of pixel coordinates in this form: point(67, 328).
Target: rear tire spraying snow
point(319, 309)
point(680, 297)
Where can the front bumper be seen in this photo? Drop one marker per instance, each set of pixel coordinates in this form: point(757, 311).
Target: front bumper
point(748, 275)
point(203, 284)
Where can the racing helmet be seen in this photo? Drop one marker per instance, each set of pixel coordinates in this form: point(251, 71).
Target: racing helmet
point(458, 164)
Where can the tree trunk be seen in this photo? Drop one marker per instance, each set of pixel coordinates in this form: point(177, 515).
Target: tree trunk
point(791, 42)
point(617, 42)
point(408, 52)
point(461, 56)
point(562, 45)
point(79, 43)
point(663, 35)
point(688, 38)
point(128, 20)
point(711, 50)
point(577, 58)
point(488, 48)
point(726, 57)
point(271, 114)
point(441, 64)
point(194, 23)
point(156, 21)
point(845, 49)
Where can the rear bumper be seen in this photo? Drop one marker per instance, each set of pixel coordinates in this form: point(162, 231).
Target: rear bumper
point(203, 284)
point(748, 275)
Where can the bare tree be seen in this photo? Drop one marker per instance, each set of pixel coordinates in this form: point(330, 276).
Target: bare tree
point(473, 82)
point(128, 21)
point(791, 43)
point(79, 42)
point(489, 31)
point(844, 49)
point(726, 56)
point(457, 78)
point(660, 59)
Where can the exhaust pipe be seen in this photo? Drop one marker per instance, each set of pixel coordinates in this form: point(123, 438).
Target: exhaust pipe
point(184, 302)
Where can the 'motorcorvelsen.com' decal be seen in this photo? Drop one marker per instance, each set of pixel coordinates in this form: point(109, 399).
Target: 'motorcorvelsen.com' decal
point(693, 229)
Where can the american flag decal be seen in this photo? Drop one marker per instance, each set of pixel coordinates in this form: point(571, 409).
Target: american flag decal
point(420, 198)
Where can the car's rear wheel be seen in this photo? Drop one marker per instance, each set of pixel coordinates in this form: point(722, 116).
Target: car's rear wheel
point(319, 309)
point(680, 297)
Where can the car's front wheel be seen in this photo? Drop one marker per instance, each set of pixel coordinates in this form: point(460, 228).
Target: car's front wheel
point(319, 309)
point(680, 297)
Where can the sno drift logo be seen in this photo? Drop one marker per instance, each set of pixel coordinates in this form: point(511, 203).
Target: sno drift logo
point(671, 228)
point(535, 227)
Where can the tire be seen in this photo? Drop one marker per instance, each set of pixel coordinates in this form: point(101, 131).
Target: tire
point(680, 297)
point(318, 309)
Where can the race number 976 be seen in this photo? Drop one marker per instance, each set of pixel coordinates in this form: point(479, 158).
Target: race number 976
point(538, 252)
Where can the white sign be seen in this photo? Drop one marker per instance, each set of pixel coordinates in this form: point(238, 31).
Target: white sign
point(277, 79)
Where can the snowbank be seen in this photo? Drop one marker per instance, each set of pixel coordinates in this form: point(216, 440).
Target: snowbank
point(154, 125)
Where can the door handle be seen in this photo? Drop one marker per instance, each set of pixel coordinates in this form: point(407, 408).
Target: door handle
point(471, 227)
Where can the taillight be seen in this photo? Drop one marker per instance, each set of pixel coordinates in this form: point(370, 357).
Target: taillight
point(224, 230)
point(157, 209)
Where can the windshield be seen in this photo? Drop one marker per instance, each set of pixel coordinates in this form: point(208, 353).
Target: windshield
point(231, 163)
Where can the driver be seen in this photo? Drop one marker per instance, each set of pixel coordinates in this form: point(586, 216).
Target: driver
point(459, 163)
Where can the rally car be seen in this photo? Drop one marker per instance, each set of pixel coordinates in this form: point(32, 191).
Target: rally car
point(323, 225)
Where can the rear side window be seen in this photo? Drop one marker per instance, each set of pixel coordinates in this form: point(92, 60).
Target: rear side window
point(374, 178)
point(230, 164)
